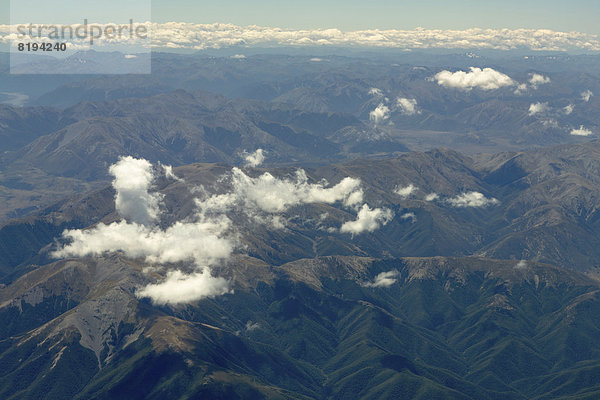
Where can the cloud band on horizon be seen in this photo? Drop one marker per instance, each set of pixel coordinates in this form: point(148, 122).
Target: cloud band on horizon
point(181, 35)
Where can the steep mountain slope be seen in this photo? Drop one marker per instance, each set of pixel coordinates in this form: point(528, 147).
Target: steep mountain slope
point(466, 328)
point(20, 126)
point(552, 204)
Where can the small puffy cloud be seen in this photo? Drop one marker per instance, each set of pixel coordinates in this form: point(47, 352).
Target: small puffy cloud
point(252, 326)
point(568, 109)
point(472, 199)
point(316, 59)
point(432, 197)
point(484, 79)
point(133, 179)
point(407, 106)
point(406, 191)
point(368, 220)
point(581, 131)
point(384, 279)
point(550, 123)
point(169, 174)
point(411, 216)
point(375, 92)
point(273, 195)
point(255, 159)
point(380, 114)
point(521, 264)
point(587, 95)
point(521, 88)
point(538, 108)
point(238, 56)
point(179, 287)
point(129, 56)
point(536, 80)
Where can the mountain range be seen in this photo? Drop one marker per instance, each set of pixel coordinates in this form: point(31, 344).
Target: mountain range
point(460, 328)
point(303, 227)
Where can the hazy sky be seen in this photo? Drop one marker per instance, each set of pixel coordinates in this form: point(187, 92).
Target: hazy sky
point(579, 15)
point(560, 15)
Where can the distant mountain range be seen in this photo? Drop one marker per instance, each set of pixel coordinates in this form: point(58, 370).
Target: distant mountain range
point(342, 84)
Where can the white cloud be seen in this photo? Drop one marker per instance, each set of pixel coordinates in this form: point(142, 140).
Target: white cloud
point(274, 195)
point(406, 191)
point(380, 114)
point(484, 79)
point(179, 287)
point(375, 92)
point(521, 264)
point(410, 216)
point(316, 59)
point(255, 159)
point(182, 35)
point(472, 199)
point(368, 220)
point(252, 326)
point(384, 279)
point(521, 88)
point(538, 108)
point(568, 109)
point(432, 197)
point(238, 56)
point(203, 242)
point(587, 95)
point(536, 80)
point(407, 106)
point(202, 36)
point(133, 179)
point(168, 169)
point(208, 237)
point(581, 131)
point(129, 56)
point(550, 123)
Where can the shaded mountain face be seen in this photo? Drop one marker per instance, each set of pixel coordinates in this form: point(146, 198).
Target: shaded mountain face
point(323, 328)
point(20, 126)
